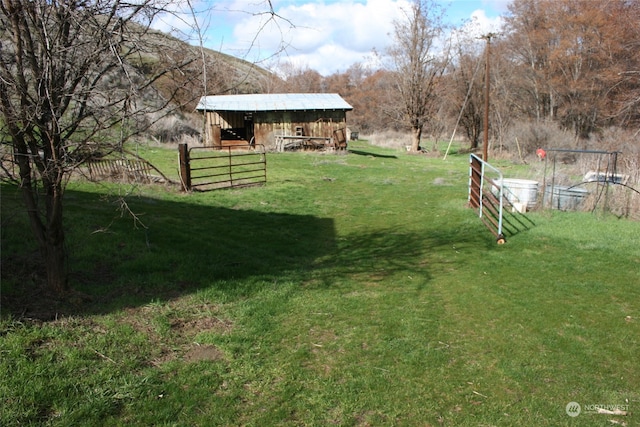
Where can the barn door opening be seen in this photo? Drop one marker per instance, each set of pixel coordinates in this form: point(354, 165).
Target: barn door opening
point(248, 128)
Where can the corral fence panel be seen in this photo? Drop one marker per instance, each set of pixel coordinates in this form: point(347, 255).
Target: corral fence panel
point(120, 166)
point(228, 166)
point(491, 199)
point(127, 170)
point(483, 197)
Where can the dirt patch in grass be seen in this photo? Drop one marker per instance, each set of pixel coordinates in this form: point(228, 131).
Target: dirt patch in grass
point(173, 329)
point(198, 353)
point(189, 353)
point(192, 327)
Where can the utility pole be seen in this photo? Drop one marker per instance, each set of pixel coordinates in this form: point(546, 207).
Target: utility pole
point(487, 85)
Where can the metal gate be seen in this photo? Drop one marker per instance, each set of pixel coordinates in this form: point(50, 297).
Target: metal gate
point(486, 194)
point(205, 169)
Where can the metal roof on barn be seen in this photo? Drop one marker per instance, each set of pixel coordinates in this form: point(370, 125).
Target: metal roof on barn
point(274, 102)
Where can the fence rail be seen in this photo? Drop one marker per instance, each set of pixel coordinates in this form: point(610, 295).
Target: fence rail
point(119, 169)
point(487, 195)
point(205, 169)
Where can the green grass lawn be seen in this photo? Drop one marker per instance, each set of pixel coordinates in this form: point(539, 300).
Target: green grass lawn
point(353, 289)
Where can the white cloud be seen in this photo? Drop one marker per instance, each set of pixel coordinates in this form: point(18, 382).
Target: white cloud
point(325, 35)
point(480, 24)
point(500, 6)
point(477, 26)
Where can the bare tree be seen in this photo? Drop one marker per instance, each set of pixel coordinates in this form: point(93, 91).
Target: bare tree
point(299, 79)
point(529, 45)
point(572, 57)
point(419, 60)
point(464, 83)
point(70, 83)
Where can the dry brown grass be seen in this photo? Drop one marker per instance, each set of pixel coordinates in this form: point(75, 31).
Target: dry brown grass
point(389, 139)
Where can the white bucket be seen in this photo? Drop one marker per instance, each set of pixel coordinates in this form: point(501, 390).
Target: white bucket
point(521, 193)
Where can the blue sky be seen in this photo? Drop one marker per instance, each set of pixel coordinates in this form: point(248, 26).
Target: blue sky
point(325, 35)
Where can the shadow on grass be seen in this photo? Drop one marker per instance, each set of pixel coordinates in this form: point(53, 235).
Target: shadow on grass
point(390, 255)
point(366, 153)
point(178, 248)
point(184, 247)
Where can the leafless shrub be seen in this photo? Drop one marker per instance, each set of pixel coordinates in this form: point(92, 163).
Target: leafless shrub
point(522, 139)
point(623, 200)
point(172, 128)
point(620, 200)
point(617, 139)
point(627, 203)
point(190, 140)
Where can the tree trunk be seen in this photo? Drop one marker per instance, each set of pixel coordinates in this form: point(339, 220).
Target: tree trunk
point(55, 255)
point(55, 259)
point(48, 233)
point(474, 135)
point(416, 135)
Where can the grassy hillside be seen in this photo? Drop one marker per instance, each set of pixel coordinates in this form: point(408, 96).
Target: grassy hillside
point(224, 73)
point(354, 290)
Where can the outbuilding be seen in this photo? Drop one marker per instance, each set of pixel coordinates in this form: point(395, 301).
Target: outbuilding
point(277, 121)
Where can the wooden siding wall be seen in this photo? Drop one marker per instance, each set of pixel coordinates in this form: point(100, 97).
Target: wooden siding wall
point(267, 125)
point(313, 123)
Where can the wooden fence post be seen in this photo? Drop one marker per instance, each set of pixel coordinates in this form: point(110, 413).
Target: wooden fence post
point(185, 167)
